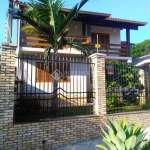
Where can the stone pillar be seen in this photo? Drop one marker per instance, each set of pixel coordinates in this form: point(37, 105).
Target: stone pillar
point(7, 84)
point(99, 83)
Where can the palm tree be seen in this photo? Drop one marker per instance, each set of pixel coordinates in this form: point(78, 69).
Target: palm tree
point(46, 17)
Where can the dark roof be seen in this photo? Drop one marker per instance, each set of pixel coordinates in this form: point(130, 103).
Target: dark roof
point(88, 13)
point(101, 19)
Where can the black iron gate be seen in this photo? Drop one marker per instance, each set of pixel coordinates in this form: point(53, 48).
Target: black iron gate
point(127, 87)
point(35, 94)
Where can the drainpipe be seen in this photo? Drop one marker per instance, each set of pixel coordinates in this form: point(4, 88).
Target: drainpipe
point(10, 18)
point(18, 62)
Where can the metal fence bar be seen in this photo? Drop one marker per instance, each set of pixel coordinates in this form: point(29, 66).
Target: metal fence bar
point(34, 96)
point(126, 87)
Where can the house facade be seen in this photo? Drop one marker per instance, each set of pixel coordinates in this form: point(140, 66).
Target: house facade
point(96, 28)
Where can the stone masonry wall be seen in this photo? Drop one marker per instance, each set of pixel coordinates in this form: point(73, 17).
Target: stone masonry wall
point(7, 84)
point(55, 132)
point(61, 132)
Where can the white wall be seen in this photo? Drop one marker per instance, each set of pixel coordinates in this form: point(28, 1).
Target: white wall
point(75, 29)
point(114, 34)
point(79, 82)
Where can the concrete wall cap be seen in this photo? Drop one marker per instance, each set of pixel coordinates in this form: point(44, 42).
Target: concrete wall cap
point(97, 55)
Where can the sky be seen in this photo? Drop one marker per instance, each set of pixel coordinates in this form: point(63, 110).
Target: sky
point(138, 10)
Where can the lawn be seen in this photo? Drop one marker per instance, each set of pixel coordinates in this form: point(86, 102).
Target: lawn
point(122, 109)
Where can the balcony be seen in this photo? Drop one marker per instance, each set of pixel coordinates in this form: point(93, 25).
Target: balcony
point(113, 49)
point(108, 49)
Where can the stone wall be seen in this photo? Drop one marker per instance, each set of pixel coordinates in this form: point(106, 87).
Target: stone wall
point(58, 132)
point(7, 84)
point(61, 132)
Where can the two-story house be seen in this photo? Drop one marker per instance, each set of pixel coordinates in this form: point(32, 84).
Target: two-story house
point(95, 27)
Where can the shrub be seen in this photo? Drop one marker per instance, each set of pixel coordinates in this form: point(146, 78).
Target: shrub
point(123, 137)
point(111, 99)
point(146, 106)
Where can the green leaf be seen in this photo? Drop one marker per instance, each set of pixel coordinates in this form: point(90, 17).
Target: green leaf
point(130, 142)
point(105, 135)
point(123, 123)
point(136, 129)
point(129, 130)
point(120, 132)
point(112, 125)
point(142, 144)
point(119, 144)
point(108, 127)
point(111, 145)
point(139, 139)
point(112, 136)
point(101, 146)
point(59, 38)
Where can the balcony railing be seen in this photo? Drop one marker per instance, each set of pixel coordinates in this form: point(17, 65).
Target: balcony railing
point(113, 49)
point(38, 42)
point(108, 49)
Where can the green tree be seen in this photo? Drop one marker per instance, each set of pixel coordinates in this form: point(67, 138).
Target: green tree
point(140, 49)
point(46, 17)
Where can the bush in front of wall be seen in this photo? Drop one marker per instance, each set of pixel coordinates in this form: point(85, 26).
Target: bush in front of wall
point(111, 99)
point(123, 137)
point(146, 106)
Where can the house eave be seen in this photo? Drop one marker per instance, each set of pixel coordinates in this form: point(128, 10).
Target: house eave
point(100, 19)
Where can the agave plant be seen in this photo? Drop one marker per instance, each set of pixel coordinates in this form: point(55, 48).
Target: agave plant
point(123, 137)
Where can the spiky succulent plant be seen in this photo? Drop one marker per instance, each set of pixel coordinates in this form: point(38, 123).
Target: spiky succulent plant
point(123, 137)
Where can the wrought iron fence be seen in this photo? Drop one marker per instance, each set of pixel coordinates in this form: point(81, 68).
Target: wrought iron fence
point(127, 87)
point(48, 89)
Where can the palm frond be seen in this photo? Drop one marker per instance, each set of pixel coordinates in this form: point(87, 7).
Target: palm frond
point(78, 44)
point(71, 15)
point(45, 17)
point(28, 29)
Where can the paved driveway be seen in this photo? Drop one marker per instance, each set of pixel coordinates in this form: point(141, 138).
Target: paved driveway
point(87, 145)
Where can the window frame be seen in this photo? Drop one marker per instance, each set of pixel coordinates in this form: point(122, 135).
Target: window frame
point(48, 76)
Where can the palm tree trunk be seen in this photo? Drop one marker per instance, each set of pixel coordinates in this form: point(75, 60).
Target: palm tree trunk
point(54, 103)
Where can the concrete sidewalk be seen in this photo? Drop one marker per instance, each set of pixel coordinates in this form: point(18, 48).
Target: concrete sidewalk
point(87, 145)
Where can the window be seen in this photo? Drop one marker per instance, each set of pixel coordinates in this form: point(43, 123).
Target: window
point(44, 72)
point(103, 39)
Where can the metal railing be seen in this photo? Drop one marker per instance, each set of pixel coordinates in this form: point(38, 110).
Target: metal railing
point(35, 97)
point(36, 41)
point(127, 87)
point(113, 50)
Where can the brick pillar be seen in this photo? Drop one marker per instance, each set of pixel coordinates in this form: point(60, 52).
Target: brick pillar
point(99, 82)
point(7, 84)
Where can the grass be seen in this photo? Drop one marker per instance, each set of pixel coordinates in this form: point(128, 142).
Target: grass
point(124, 107)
